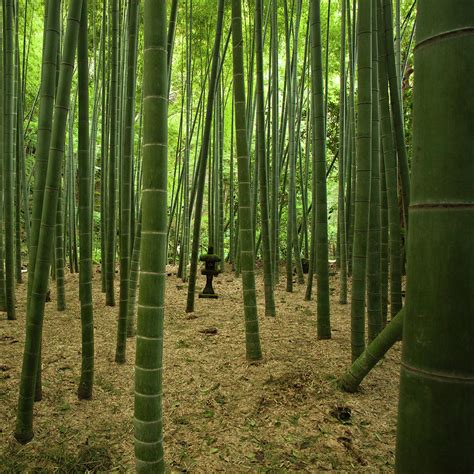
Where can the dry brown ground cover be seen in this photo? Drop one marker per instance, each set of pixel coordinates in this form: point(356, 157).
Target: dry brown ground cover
point(222, 414)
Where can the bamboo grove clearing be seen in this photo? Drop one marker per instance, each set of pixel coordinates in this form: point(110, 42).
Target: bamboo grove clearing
point(314, 160)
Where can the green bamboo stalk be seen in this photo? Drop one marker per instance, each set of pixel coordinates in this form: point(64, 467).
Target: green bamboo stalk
point(24, 424)
point(374, 296)
point(342, 159)
point(275, 134)
point(246, 248)
point(262, 163)
point(391, 183)
point(16, 149)
point(396, 107)
point(319, 160)
point(232, 240)
point(148, 420)
point(373, 353)
point(3, 302)
point(292, 237)
point(84, 391)
point(112, 159)
point(104, 151)
point(134, 271)
point(383, 241)
point(202, 165)
point(351, 135)
point(437, 370)
point(69, 229)
point(126, 181)
point(184, 256)
point(59, 254)
point(47, 94)
point(363, 164)
point(171, 37)
point(220, 180)
point(9, 62)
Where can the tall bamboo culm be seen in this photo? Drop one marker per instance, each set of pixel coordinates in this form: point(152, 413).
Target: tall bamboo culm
point(435, 430)
point(202, 163)
point(9, 138)
point(263, 168)
point(319, 160)
point(363, 166)
point(148, 421)
point(3, 302)
point(24, 424)
point(112, 160)
point(126, 181)
point(85, 215)
point(247, 253)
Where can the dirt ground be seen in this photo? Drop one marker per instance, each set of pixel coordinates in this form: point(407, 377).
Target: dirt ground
point(221, 413)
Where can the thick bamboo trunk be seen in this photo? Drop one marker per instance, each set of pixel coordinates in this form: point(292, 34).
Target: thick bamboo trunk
point(148, 413)
point(435, 431)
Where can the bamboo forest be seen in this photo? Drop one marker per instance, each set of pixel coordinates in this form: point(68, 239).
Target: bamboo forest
point(236, 236)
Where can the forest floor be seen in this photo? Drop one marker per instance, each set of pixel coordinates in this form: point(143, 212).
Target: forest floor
point(221, 413)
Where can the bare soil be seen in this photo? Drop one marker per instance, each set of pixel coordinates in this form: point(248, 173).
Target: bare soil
point(222, 413)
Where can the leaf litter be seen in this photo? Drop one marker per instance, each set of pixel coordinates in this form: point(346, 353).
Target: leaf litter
point(221, 412)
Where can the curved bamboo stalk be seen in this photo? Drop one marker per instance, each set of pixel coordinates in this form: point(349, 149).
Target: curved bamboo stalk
point(374, 352)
